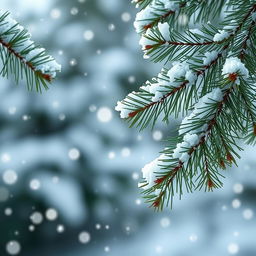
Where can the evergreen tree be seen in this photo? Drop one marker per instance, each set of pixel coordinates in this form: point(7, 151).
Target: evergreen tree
point(22, 58)
point(209, 76)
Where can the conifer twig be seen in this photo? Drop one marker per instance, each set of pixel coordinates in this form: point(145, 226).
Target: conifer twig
point(209, 71)
point(22, 58)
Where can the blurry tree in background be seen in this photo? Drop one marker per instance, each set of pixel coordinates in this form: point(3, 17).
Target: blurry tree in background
point(69, 166)
point(63, 150)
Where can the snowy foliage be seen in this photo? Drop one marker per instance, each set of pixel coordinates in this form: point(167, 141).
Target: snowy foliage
point(209, 57)
point(207, 69)
point(233, 65)
point(153, 10)
point(16, 41)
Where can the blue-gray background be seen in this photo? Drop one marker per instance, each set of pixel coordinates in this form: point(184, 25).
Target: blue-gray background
point(71, 152)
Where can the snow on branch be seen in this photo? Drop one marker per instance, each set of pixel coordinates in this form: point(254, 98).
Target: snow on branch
point(154, 13)
point(21, 57)
point(208, 70)
point(167, 84)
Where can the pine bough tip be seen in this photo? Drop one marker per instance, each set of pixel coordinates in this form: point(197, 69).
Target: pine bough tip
point(22, 58)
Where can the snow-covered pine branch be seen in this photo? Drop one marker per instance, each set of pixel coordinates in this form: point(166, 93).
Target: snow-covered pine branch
point(22, 58)
point(209, 70)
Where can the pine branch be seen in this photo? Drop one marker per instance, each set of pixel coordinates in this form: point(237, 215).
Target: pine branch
point(157, 110)
point(180, 167)
point(23, 59)
point(139, 113)
point(214, 77)
point(156, 46)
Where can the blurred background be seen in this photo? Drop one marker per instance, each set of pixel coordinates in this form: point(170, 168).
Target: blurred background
point(69, 166)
